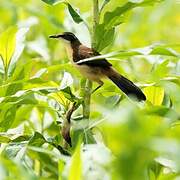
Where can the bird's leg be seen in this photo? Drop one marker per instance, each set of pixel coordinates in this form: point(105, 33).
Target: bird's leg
point(100, 85)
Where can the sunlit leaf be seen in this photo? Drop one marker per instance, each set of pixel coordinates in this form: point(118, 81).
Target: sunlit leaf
point(60, 169)
point(66, 81)
point(59, 97)
point(104, 4)
point(4, 139)
point(7, 45)
point(20, 43)
point(145, 51)
point(76, 164)
point(154, 94)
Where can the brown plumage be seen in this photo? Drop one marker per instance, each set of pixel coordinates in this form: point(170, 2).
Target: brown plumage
point(95, 70)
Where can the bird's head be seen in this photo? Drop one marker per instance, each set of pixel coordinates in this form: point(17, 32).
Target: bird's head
point(68, 36)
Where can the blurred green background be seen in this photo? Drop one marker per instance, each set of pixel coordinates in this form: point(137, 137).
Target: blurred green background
point(123, 139)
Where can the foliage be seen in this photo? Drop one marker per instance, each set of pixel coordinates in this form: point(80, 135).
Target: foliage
point(46, 131)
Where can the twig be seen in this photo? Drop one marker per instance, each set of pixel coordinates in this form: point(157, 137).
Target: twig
point(67, 124)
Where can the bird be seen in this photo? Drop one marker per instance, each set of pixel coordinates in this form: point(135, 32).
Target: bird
point(96, 70)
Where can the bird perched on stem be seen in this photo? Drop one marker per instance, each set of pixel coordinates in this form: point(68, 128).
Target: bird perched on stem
point(95, 70)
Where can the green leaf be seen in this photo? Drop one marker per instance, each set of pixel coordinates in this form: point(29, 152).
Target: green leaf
point(103, 37)
point(20, 38)
point(15, 169)
point(145, 51)
point(37, 140)
point(161, 70)
point(104, 4)
point(8, 114)
point(23, 114)
point(76, 164)
point(162, 111)
point(164, 51)
point(68, 94)
point(21, 138)
point(53, 2)
point(74, 14)
point(115, 17)
point(154, 94)
point(154, 170)
point(4, 139)
point(7, 46)
point(60, 169)
point(9, 107)
point(44, 156)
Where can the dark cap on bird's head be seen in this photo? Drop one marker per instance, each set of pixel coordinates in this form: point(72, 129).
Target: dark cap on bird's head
point(66, 35)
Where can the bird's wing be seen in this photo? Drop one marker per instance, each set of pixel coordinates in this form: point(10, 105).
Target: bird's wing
point(85, 52)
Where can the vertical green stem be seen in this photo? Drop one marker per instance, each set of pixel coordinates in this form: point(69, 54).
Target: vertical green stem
point(87, 99)
point(96, 11)
point(88, 83)
point(95, 20)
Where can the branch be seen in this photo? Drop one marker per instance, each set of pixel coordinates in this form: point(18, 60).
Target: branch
point(67, 124)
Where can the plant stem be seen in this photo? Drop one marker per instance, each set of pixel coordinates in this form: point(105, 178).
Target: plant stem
point(96, 12)
point(88, 83)
point(95, 20)
point(87, 99)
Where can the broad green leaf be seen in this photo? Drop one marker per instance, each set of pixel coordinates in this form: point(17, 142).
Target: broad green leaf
point(23, 114)
point(76, 164)
point(37, 140)
point(7, 45)
point(9, 107)
point(7, 114)
point(74, 14)
point(53, 2)
point(154, 94)
point(115, 17)
point(103, 37)
point(20, 43)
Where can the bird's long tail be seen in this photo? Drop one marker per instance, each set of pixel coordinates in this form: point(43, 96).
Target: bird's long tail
point(127, 86)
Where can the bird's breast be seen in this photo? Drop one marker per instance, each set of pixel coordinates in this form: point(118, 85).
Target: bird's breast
point(92, 73)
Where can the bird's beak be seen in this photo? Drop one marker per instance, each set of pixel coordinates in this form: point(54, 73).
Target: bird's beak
point(56, 36)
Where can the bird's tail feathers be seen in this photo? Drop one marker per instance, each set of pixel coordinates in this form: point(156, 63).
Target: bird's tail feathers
point(127, 86)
